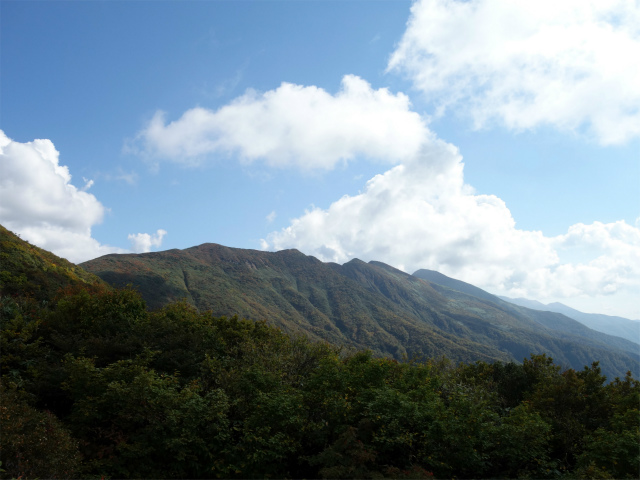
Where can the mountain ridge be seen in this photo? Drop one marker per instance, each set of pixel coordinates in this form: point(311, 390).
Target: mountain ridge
point(613, 325)
point(557, 321)
point(359, 305)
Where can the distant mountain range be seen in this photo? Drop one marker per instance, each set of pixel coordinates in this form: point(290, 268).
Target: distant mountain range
point(619, 326)
point(364, 305)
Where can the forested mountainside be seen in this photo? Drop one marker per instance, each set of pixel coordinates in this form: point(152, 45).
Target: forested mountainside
point(96, 385)
point(612, 325)
point(361, 305)
point(29, 270)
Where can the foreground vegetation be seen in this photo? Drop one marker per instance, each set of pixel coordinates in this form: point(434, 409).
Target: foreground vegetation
point(93, 384)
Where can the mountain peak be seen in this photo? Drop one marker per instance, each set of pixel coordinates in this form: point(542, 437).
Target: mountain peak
point(441, 279)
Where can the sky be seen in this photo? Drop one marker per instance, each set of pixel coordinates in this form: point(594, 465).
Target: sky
point(495, 141)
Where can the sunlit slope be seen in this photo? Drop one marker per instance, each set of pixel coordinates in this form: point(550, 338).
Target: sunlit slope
point(27, 270)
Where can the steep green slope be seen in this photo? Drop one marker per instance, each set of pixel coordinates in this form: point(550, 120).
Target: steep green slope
point(357, 304)
point(440, 279)
point(27, 270)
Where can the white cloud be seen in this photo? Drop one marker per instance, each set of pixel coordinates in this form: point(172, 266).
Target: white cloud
point(87, 184)
point(420, 214)
point(570, 64)
point(142, 242)
point(271, 217)
point(293, 125)
point(613, 259)
point(39, 202)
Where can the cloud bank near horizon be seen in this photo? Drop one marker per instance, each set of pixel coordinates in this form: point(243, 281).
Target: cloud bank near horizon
point(526, 64)
point(40, 203)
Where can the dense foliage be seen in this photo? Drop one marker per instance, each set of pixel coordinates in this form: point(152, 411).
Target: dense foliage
point(93, 384)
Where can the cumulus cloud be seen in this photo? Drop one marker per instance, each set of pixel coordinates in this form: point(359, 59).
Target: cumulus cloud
point(421, 214)
point(292, 126)
point(39, 202)
point(569, 64)
point(142, 242)
point(613, 259)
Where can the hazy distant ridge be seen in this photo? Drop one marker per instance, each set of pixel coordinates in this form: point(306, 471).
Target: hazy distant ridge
point(612, 325)
point(563, 325)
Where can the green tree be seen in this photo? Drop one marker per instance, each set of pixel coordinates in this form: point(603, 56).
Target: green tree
point(33, 443)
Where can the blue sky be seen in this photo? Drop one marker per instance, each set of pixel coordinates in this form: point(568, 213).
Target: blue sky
point(491, 142)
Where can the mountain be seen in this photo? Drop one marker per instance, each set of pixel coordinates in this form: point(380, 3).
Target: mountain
point(612, 325)
point(295, 292)
point(362, 305)
point(95, 385)
point(563, 325)
point(27, 270)
point(444, 281)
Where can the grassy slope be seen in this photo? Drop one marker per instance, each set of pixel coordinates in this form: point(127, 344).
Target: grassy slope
point(291, 290)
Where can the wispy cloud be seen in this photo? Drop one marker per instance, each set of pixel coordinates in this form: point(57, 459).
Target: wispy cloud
point(228, 85)
point(87, 184)
point(127, 177)
point(271, 217)
point(120, 175)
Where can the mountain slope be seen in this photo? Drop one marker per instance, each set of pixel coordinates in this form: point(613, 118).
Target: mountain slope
point(27, 270)
point(491, 321)
point(358, 304)
point(562, 325)
point(612, 325)
point(293, 291)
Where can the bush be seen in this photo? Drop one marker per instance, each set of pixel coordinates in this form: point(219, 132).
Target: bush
point(33, 443)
